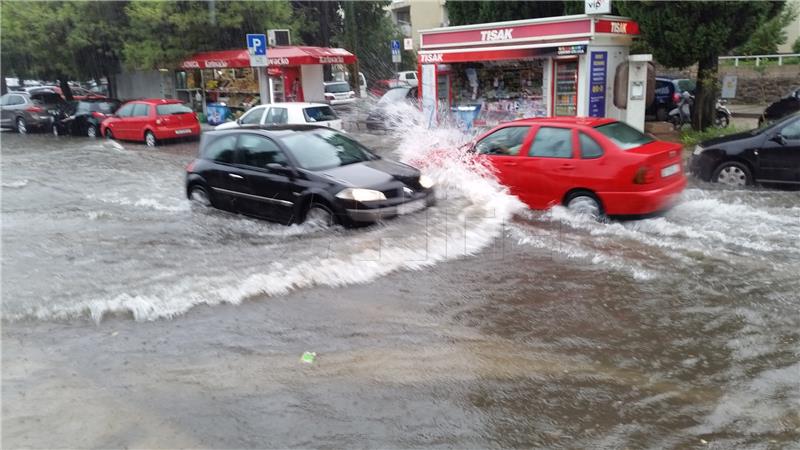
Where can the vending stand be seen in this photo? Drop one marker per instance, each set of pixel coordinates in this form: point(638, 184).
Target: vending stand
point(294, 73)
point(485, 74)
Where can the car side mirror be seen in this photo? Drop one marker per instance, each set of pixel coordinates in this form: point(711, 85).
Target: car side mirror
point(779, 139)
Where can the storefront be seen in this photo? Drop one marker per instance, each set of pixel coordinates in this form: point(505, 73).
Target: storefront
point(294, 74)
point(489, 73)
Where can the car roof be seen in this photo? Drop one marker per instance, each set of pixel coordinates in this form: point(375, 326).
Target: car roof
point(568, 120)
point(157, 101)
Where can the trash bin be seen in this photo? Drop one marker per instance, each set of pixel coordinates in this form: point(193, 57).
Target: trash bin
point(217, 113)
point(465, 115)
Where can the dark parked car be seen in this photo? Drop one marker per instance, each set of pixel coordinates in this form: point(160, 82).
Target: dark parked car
point(382, 115)
point(667, 95)
point(302, 173)
point(770, 154)
point(781, 108)
point(26, 112)
point(83, 117)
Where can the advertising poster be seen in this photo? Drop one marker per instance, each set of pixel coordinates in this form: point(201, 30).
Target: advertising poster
point(597, 84)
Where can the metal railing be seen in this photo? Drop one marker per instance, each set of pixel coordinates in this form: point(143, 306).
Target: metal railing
point(759, 58)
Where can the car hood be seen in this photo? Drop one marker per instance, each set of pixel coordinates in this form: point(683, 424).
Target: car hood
point(371, 173)
point(729, 138)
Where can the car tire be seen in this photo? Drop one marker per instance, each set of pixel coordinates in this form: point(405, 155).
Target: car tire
point(732, 173)
point(22, 127)
point(721, 120)
point(150, 139)
point(661, 114)
point(584, 203)
point(91, 131)
point(198, 195)
point(319, 216)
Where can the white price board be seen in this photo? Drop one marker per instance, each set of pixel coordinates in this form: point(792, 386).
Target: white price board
point(597, 6)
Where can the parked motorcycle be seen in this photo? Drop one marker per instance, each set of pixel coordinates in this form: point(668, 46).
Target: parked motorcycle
point(682, 114)
point(722, 117)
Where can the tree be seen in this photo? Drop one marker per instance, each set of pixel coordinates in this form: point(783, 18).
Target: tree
point(769, 36)
point(161, 33)
point(367, 32)
point(796, 46)
point(683, 33)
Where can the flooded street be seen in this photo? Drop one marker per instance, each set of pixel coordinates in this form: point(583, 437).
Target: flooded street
point(131, 318)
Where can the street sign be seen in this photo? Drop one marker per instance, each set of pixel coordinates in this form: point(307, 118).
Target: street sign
point(597, 6)
point(396, 58)
point(408, 44)
point(257, 49)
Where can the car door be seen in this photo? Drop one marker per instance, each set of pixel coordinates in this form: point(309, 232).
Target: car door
point(117, 124)
point(5, 118)
point(502, 148)
point(269, 177)
point(549, 166)
point(14, 105)
point(224, 179)
point(779, 157)
point(138, 119)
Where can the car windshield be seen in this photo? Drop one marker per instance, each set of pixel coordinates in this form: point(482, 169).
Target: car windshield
point(319, 114)
point(325, 149)
point(394, 95)
point(625, 136)
point(172, 108)
point(685, 85)
point(48, 98)
point(337, 88)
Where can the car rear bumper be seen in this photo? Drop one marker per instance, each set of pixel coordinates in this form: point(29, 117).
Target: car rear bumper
point(410, 205)
point(344, 101)
point(174, 132)
point(641, 203)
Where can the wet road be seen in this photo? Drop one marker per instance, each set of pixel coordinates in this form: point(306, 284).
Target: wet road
point(474, 324)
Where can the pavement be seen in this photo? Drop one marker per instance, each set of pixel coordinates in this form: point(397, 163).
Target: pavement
point(749, 111)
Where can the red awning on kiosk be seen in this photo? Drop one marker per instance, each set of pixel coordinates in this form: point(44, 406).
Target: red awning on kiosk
point(277, 56)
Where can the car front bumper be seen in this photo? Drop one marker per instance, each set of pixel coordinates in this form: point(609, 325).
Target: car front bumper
point(417, 202)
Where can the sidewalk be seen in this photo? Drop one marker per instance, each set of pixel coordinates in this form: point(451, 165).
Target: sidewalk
point(749, 111)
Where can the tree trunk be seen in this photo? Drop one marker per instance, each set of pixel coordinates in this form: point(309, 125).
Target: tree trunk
point(3, 86)
point(66, 91)
point(706, 93)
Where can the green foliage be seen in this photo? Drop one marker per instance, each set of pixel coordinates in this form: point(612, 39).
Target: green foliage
point(367, 32)
point(796, 46)
point(770, 35)
point(690, 138)
point(469, 12)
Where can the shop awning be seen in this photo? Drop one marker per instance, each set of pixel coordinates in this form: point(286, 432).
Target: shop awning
point(501, 53)
point(277, 57)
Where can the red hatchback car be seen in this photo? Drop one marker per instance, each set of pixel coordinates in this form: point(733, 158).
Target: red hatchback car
point(594, 165)
point(151, 120)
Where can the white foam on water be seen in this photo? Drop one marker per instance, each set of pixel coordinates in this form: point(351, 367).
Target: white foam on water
point(170, 204)
point(15, 184)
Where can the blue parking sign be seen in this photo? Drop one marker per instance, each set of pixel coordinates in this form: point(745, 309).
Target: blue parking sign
point(395, 45)
point(257, 44)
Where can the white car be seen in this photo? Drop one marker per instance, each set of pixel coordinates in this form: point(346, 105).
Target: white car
point(287, 113)
point(339, 93)
point(408, 77)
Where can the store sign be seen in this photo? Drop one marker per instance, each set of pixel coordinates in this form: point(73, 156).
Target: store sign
point(428, 58)
point(597, 84)
point(571, 50)
point(216, 63)
point(617, 27)
point(191, 65)
point(497, 35)
point(331, 60)
point(279, 61)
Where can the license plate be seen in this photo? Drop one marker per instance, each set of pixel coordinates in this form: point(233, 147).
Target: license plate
point(183, 131)
point(410, 207)
point(670, 170)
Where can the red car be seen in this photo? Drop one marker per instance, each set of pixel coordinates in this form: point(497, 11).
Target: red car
point(151, 120)
point(594, 165)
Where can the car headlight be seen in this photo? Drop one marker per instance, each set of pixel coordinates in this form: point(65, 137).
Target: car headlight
point(426, 181)
point(361, 195)
point(697, 150)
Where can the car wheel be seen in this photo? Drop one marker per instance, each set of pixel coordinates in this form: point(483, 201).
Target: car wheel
point(149, 139)
point(733, 174)
point(91, 131)
point(661, 114)
point(584, 203)
point(199, 196)
point(319, 216)
point(721, 121)
point(109, 134)
point(22, 128)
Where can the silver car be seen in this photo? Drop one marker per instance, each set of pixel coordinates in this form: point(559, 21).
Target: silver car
point(26, 112)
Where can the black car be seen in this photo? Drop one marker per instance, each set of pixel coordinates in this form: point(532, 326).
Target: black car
point(770, 154)
point(83, 117)
point(781, 108)
point(302, 173)
point(667, 96)
point(383, 116)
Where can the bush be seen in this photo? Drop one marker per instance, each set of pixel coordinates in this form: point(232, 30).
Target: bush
point(690, 138)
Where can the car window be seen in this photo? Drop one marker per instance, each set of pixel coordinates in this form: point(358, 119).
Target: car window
point(792, 130)
point(277, 116)
point(126, 110)
point(16, 100)
point(49, 98)
point(505, 141)
point(253, 117)
point(258, 151)
point(82, 107)
point(325, 149)
point(662, 88)
point(4, 100)
point(319, 114)
point(589, 147)
point(623, 135)
point(685, 85)
point(552, 143)
point(140, 110)
point(173, 108)
point(104, 107)
point(221, 150)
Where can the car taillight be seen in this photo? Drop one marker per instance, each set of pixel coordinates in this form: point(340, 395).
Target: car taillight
point(35, 109)
point(644, 175)
point(190, 166)
point(676, 98)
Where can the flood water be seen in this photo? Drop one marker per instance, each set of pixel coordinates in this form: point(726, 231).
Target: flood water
point(476, 323)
